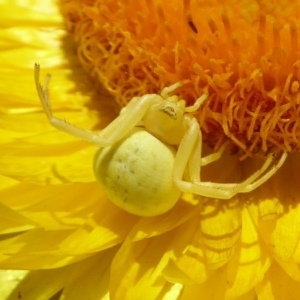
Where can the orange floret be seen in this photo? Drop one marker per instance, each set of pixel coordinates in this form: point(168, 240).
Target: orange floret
point(244, 53)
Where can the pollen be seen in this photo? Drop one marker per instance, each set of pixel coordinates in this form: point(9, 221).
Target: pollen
point(244, 54)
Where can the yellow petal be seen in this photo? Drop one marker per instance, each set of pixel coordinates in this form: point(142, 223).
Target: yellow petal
point(212, 245)
point(220, 229)
point(29, 289)
point(74, 220)
point(148, 227)
point(9, 279)
point(51, 282)
point(12, 222)
point(191, 267)
point(90, 280)
point(186, 263)
point(136, 271)
point(277, 285)
point(172, 292)
point(250, 262)
point(14, 13)
point(48, 165)
point(213, 288)
point(286, 234)
point(103, 230)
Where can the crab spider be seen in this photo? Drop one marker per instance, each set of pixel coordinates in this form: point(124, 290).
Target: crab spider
point(152, 152)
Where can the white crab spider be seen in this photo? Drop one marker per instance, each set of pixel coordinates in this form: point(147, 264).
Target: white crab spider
point(147, 153)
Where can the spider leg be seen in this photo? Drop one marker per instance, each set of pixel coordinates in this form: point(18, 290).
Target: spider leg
point(251, 183)
point(54, 121)
point(194, 156)
point(197, 104)
point(228, 190)
point(189, 153)
point(195, 161)
point(169, 89)
point(214, 156)
point(265, 177)
point(129, 118)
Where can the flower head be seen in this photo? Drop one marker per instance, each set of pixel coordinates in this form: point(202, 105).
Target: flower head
point(55, 220)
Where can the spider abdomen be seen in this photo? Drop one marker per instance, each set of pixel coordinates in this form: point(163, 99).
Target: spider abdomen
point(136, 174)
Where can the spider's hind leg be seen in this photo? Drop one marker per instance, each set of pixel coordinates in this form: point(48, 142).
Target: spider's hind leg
point(253, 181)
point(169, 89)
point(252, 185)
point(189, 155)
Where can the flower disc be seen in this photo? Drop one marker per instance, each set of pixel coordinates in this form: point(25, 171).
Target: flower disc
point(244, 54)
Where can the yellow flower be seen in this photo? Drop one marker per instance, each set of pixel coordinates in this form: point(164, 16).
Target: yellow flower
point(56, 222)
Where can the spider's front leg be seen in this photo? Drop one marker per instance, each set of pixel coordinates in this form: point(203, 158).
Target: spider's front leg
point(189, 153)
point(251, 183)
point(228, 190)
point(115, 131)
point(130, 117)
point(60, 124)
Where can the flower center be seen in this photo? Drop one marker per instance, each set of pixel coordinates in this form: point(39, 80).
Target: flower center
point(246, 56)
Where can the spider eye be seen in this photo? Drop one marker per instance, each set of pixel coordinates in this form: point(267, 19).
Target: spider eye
point(136, 174)
point(169, 110)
